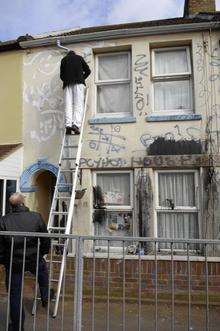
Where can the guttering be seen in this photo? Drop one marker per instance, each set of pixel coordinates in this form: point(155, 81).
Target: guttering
point(122, 33)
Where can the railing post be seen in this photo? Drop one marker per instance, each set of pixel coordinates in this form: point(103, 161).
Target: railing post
point(78, 291)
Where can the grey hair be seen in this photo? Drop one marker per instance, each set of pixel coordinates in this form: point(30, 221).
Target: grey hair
point(17, 199)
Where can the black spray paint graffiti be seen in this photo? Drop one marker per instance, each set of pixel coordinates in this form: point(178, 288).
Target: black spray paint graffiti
point(112, 141)
point(190, 133)
point(140, 67)
point(103, 162)
point(208, 56)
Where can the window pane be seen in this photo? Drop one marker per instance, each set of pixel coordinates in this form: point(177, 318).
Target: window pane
point(113, 67)
point(178, 187)
point(171, 62)
point(114, 98)
point(115, 188)
point(173, 95)
point(1, 196)
point(10, 188)
point(177, 225)
point(116, 224)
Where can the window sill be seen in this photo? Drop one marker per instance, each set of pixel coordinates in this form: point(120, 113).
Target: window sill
point(112, 120)
point(167, 118)
point(119, 255)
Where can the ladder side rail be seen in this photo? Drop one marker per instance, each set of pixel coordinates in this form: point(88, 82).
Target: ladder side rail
point(77, 162)
point(56, 186)
point(70, 211)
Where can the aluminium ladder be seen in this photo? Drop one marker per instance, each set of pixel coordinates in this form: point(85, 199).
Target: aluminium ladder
point(61, 221)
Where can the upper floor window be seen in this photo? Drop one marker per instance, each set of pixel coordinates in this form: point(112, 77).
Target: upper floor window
point(172, 80)
point(113, 84)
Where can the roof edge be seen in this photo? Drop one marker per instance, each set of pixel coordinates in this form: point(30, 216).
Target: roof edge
point(122, 33)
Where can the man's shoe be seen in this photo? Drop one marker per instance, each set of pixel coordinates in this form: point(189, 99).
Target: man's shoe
point(68, 130)
point(44, 302)
point(75, 129)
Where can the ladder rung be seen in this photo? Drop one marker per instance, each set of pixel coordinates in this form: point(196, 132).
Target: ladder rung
point(61, 197)
point(56, 228)
point(54, 212)
point(67, 170)
point(54, 280)
point(54, 261)
point(57, 244)
point(68, 158)
point(71, 146)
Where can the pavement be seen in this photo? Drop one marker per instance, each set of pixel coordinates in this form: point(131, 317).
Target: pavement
point(64, 322)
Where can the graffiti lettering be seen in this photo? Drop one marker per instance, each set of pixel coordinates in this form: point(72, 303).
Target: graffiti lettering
point(141, 67)
point(170, 161)
point(103, 162)
point(112, 141)
point(190, 133)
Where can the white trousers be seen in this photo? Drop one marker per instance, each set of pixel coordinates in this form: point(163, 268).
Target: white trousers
point(74, 104)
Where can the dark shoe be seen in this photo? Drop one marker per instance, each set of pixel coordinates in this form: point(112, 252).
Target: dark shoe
point(75, 129)
point(44, 302)
point(68, 130)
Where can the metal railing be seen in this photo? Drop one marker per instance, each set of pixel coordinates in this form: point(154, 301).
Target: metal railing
point(138, 286)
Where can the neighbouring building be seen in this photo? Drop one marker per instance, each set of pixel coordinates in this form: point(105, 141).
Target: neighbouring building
point(11, 151)
point(152, 126)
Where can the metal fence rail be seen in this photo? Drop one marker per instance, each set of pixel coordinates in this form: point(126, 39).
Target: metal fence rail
point(121, 284)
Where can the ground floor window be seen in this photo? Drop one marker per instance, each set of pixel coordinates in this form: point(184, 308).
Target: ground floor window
point(117, 194)
point(7, 187)
point(177, 206)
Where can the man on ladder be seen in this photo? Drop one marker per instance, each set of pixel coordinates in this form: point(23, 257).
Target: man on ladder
point(73, 72)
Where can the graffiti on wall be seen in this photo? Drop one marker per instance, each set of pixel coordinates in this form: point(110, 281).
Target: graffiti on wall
point(103, 162)
point(140, 68)
point(44, 94)
point(161, 161)
point(208, 67)
point(176, 133)
point(107, 141)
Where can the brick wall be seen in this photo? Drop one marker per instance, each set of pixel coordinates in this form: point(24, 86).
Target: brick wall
point(147, 272)
point(196, 6)
point(131, 273)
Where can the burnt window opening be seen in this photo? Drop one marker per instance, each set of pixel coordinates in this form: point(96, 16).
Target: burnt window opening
point(162, 146)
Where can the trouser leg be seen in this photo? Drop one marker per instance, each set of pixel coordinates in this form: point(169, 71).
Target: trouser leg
point(68, 97)
point(43, 280)
point(78, 105)
point(15, 300)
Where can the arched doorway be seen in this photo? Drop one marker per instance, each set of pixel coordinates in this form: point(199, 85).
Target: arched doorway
point(45, 182)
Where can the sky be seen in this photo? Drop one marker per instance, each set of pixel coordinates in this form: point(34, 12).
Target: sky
point(19, 17)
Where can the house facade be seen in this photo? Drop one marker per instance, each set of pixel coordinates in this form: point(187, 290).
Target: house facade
point(11, 151)
point(151, 138)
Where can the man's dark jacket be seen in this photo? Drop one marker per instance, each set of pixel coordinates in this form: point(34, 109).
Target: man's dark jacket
point(73, 69)
point(22, 220)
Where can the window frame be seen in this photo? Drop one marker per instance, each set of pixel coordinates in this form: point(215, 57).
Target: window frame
point(188, 76)
point(4, 191)
point(112, 82)
point(118, 207)
point(177, 209)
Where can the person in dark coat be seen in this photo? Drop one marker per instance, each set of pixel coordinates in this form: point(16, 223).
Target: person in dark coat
point(73, 72)
point(21, 219)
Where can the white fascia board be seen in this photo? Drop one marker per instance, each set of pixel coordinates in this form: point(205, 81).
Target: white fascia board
point(122, 33)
